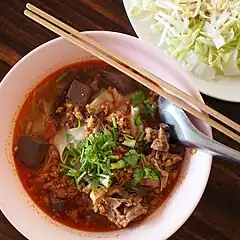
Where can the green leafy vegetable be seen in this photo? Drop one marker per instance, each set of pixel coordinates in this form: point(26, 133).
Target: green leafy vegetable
point(60, 78)
point(105, 180)
point(79, 124)
point(152, 173)
point(114, 122)
point(72, 152)
point(129, 142)
point(115, 132)
point(65, 156)
point(91, 160)
point(118, 165)
point(141, 135)
point(139, 174)
point(132, 157)
point(203, 37)
point(69, 137)
point(146, 173)
point(138, 98)
point(73, 172)
point(93, 184)
point(137, 119)
point(150, 108)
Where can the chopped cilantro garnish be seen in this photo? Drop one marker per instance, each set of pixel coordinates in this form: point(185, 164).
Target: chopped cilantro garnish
point(147, 107)
point(65, 156)
point(150, 108)
point(138, 98)
point(152, 173)
point(144, 173)
point(73, 172)
point(129, 142)
point(141, 135)
point(60, 78)
point(114, 122)
point(69, 137)
point(91, 160)
point(79, 124)
point(115, 132)
point(72, 152)
point(93, 184)
point(132, 157)
point(138, 174)
point(105, 181)
point(118, 165)
point(137, 119)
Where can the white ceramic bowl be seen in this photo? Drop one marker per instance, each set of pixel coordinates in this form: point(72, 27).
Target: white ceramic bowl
point(29, 71)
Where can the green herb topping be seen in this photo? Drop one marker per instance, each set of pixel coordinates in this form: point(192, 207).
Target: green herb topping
point(138, 98)
point(144, 173)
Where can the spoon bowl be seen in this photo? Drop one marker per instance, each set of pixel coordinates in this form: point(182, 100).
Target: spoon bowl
point(185, 132)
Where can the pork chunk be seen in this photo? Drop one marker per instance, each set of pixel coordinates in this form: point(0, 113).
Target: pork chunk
point(120, 207)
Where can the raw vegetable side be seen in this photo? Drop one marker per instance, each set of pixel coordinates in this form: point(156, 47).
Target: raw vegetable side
point(203, 35)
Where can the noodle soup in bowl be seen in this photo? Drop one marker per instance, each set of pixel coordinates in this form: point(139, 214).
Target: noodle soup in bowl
point(52, 197)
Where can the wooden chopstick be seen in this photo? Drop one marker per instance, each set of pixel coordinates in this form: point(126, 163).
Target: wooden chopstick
point(162, 83)
point(123, 65)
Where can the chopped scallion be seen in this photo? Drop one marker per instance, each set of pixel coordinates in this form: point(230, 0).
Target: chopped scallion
point(118, 165)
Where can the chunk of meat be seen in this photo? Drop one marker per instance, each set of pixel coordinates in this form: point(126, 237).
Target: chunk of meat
point(164, 177)
point(79, 93)
point(161, 143)
point(162, 159)
point(170, 159)
point(52, 180)
point(164, 162)
point(31, 151)
point(151, 183)
point(151, 134)
point(120, 207)
point(122, 176)
point(69, 114)
point(96, 196)
point(122, 119)
point(94, 125)
point(120, 81)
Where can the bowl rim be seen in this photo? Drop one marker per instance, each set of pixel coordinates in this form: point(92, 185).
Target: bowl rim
point(106, 34)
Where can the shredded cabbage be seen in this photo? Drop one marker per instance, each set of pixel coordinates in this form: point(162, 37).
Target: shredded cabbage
point(204, 35)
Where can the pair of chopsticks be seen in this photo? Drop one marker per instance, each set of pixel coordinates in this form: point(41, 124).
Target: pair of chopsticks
point(142, 76)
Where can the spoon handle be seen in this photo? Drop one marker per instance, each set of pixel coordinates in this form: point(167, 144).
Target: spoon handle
point(215, 148)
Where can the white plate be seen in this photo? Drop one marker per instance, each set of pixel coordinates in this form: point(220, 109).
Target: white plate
point(225, 89)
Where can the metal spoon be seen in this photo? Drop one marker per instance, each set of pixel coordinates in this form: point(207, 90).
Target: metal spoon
point(185, 132)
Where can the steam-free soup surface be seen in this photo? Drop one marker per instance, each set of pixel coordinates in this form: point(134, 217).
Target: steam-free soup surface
point(91, 150)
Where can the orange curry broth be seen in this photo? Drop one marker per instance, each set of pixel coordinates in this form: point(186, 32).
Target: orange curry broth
point(45, 90)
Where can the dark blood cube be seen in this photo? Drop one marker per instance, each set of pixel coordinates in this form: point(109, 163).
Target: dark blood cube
point(31, 151)
point(79, 93)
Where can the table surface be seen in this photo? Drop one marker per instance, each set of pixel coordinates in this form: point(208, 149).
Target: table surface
point(217, 216)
